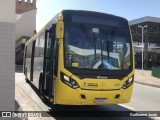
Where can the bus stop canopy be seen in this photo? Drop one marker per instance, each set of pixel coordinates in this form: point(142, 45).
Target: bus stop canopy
point(151, 33)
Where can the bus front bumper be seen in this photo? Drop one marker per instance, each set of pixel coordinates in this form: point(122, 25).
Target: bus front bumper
point(78, 96)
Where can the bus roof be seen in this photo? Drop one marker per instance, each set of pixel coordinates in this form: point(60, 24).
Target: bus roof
point(85, 12)
point(74, 12)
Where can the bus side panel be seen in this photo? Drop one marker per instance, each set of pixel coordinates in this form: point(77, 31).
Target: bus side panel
point(38, 60)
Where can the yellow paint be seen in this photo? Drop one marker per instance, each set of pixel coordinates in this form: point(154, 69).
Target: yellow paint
point(75, 64)
point(91, 88)
point(59, 29)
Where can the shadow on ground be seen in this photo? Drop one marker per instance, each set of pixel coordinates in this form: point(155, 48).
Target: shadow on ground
point(19, 68)
point(103, 112)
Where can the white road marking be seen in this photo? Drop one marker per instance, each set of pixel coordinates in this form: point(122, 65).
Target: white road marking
point(157, 118)
point(126, 106)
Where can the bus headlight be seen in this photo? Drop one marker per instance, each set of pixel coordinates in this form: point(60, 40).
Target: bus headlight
point(69, 81)
point(128, 82)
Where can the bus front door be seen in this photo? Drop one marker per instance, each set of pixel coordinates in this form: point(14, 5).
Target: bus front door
point(48, 63)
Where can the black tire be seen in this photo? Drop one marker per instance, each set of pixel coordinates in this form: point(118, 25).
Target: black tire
point(41, 90)
point(26, 79)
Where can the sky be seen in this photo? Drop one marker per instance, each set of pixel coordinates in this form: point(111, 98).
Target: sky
point(129, 9)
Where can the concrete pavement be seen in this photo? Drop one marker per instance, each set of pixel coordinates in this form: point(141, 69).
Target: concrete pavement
point(146, 78)
point(145, 98)
point(27, 99)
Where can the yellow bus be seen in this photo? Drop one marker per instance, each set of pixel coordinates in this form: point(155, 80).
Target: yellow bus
point(82, 58)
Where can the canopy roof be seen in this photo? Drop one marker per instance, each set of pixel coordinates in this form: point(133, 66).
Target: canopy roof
point(144, 19)
point(151, 33)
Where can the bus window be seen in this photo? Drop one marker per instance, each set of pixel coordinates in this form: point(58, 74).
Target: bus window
point(28, 61)
point(38, 58)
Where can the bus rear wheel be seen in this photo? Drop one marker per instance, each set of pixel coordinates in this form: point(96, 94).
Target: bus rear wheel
point(26, 79)
point(41, 90)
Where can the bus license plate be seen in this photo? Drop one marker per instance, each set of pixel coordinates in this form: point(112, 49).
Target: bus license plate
point(100, 100)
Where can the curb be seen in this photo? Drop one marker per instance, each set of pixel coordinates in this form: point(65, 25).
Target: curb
point(147, 84)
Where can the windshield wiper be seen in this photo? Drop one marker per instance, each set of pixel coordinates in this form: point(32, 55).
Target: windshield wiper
point(95, 46)
point(87, 36)
point(109, 41)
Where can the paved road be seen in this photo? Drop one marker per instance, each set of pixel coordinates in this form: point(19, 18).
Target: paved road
point(144, 98)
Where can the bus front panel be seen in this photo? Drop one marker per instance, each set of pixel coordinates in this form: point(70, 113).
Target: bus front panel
point(96, 63)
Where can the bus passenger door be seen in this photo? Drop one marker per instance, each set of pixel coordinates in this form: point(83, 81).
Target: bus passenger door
point(48, 63)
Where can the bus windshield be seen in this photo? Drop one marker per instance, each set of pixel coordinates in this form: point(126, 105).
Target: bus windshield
point(91, 46)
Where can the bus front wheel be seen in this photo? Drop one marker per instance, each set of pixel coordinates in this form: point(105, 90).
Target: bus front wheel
point(41, 90)
point(26, 79)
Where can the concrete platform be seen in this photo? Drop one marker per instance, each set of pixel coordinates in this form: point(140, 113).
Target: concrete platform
point(146, 78)
point(27, 99)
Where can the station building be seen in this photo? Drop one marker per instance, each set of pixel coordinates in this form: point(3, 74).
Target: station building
point(7, 55)
point(151, 41)
point(17, 23)
point(25, 25)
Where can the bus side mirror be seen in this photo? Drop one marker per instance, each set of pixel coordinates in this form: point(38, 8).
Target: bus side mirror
point(59, 30)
